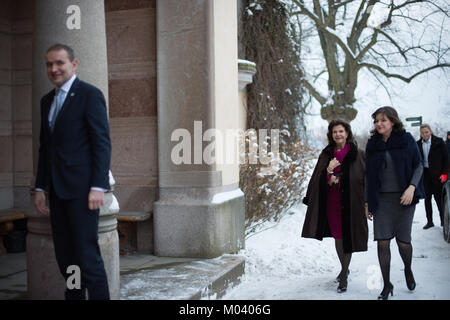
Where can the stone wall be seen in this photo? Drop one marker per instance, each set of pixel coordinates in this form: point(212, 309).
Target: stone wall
point(131, 43)
point(16, 160)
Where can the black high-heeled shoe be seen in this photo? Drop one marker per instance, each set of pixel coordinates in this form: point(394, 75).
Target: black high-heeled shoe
point(410, 282)
point(385, 295)
point(342, 285)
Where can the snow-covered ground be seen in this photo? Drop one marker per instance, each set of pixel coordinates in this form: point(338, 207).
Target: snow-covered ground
point(280, 264)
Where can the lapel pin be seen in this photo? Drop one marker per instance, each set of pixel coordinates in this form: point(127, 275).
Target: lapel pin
point(72, 94)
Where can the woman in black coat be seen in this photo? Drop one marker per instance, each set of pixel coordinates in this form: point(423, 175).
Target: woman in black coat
point(335, 197)
point(394, 174)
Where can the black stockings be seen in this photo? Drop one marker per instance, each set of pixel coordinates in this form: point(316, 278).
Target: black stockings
point(384, 258)
point(344, 258)
point(405, 250)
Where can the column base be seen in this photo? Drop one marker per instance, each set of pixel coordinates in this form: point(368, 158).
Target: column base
point(187, 227)
point(44, 280)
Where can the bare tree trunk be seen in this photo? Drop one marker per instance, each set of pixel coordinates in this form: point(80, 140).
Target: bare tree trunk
point(336, 111)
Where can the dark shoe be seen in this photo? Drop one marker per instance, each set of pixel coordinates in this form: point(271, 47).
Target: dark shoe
point(384, 295)
point(342, 285)
point(429, 225)
point(338, 277)
point(410, 282)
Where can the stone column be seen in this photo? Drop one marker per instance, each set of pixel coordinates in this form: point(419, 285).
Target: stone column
point(81, 25)
point(6, 110)
point(200, 211)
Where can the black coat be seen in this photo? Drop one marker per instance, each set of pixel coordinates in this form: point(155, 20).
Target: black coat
point(406, 156)
point(76, 156)
point(448, 147)
point(354, 222)
point(438, 161)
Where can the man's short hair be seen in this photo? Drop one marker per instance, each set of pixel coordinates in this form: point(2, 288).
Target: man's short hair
point(59, 46)
point(425, 125)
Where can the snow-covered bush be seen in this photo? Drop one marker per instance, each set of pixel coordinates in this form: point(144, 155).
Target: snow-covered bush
point(268, 196)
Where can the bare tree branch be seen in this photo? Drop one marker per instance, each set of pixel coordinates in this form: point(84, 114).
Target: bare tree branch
point(400, 50)
point(322, 27)
point(336, 6)
point(360, 24)
point(399, 76)
point(314, 92)
point(372, 42)
point(382, 84)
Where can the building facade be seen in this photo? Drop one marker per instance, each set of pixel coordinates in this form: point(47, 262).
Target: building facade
point(163, 66)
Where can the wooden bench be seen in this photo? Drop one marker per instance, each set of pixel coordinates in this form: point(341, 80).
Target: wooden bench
point(6, 224)
point(135, 231)
point(133, 216)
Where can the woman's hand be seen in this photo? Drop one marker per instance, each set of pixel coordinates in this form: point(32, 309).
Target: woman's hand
point(407, 197)
point(369, 215)
point(334, 163)
point(332, 180)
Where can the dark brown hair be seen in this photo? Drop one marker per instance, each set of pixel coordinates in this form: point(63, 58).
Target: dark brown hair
point(346, 126)
point(392, 115)
point(59, 46)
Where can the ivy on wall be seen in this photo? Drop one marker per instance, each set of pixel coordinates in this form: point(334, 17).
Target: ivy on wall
point(274, 102)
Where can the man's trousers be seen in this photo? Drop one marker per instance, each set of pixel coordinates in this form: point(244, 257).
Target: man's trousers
point(432, 188)
point(75, 237)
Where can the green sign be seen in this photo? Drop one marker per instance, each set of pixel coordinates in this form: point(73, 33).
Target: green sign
point(415, 124)
point(414, 119)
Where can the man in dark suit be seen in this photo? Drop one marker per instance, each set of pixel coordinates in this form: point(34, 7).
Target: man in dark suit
point(73, 167)
point(436, 166)
point(447, 142)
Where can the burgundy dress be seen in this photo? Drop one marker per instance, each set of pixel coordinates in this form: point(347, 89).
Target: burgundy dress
point(334, 197)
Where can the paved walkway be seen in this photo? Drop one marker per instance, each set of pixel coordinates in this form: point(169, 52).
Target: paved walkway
point(144, 277)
